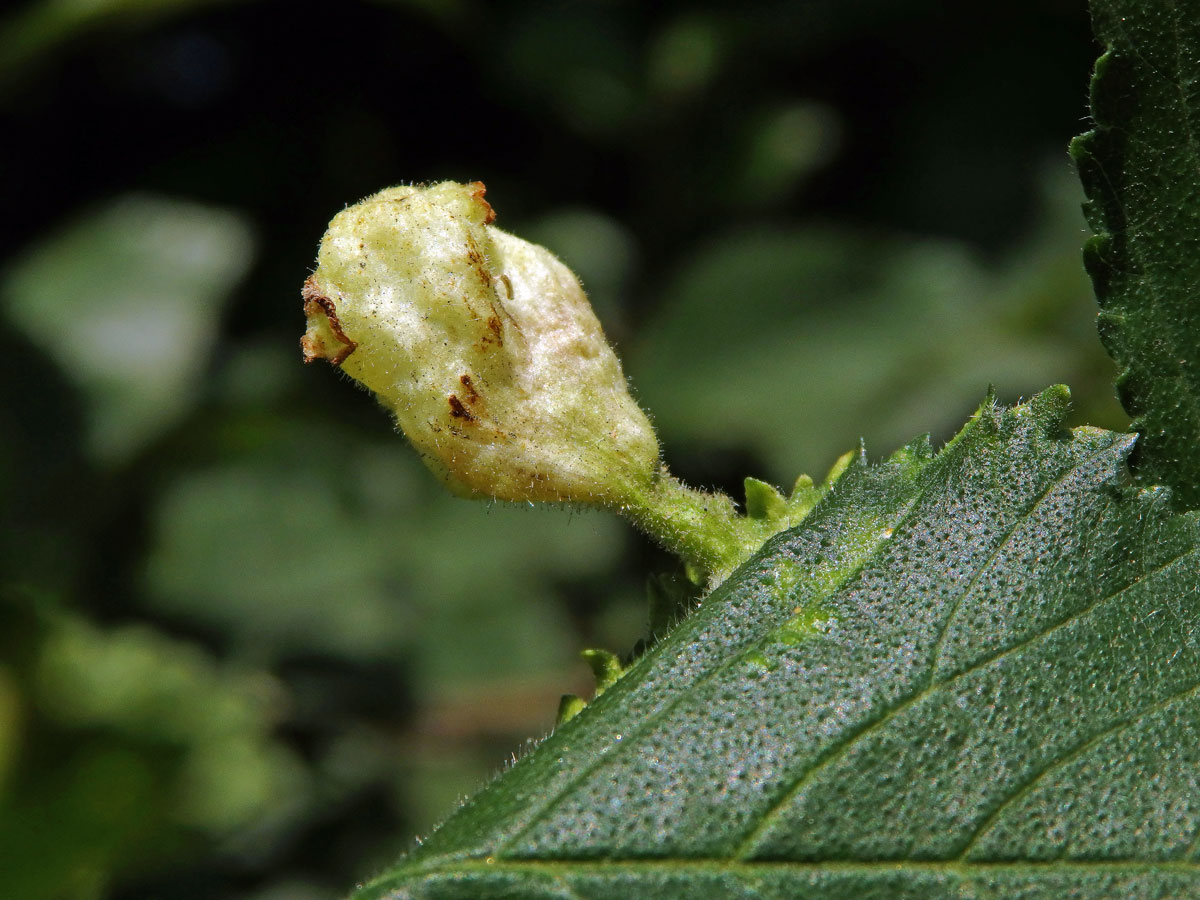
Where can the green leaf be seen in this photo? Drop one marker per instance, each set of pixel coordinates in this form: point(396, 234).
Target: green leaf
point(127, 299)
point(974, 673)
point(1140, 167)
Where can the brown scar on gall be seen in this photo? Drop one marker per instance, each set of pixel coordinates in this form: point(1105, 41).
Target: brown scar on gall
point(475, 257)
point(458, 410)
point(316, 302)
point(496, 327)
point(477, 191)
point(469, 386)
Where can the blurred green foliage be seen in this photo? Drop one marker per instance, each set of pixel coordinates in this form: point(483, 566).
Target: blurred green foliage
point(836, 331)
point(126, 301)
point(249, 648)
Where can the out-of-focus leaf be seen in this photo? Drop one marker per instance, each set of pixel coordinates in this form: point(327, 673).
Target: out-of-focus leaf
point(136, 682)
point(969, 673)
point(806, 340)
point(1140, 167)
point(136, 745)
point(127, 300)
point(308, 544)
point(686, 55)
point(786, 143)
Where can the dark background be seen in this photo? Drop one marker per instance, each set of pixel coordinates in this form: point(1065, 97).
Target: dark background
point(247, 649)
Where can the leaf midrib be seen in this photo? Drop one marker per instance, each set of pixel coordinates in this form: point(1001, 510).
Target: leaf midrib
point(584, 865)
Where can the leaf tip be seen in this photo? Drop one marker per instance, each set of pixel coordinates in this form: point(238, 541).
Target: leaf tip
point(1050, 408)
point(605, 666)
point(569, 707)
point(763, 501)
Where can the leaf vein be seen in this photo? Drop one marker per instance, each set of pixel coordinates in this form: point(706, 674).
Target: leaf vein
point(840, 749)
point(1066, 758)
point(1018, 521)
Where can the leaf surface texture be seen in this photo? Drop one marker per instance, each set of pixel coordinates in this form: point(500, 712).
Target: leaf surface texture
point(1140, 168)
point(973, 673)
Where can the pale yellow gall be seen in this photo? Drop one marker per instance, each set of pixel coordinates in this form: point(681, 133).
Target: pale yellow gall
point(482, 345)
point(486, 351)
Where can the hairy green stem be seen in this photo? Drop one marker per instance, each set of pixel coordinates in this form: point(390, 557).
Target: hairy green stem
point(704, 529)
